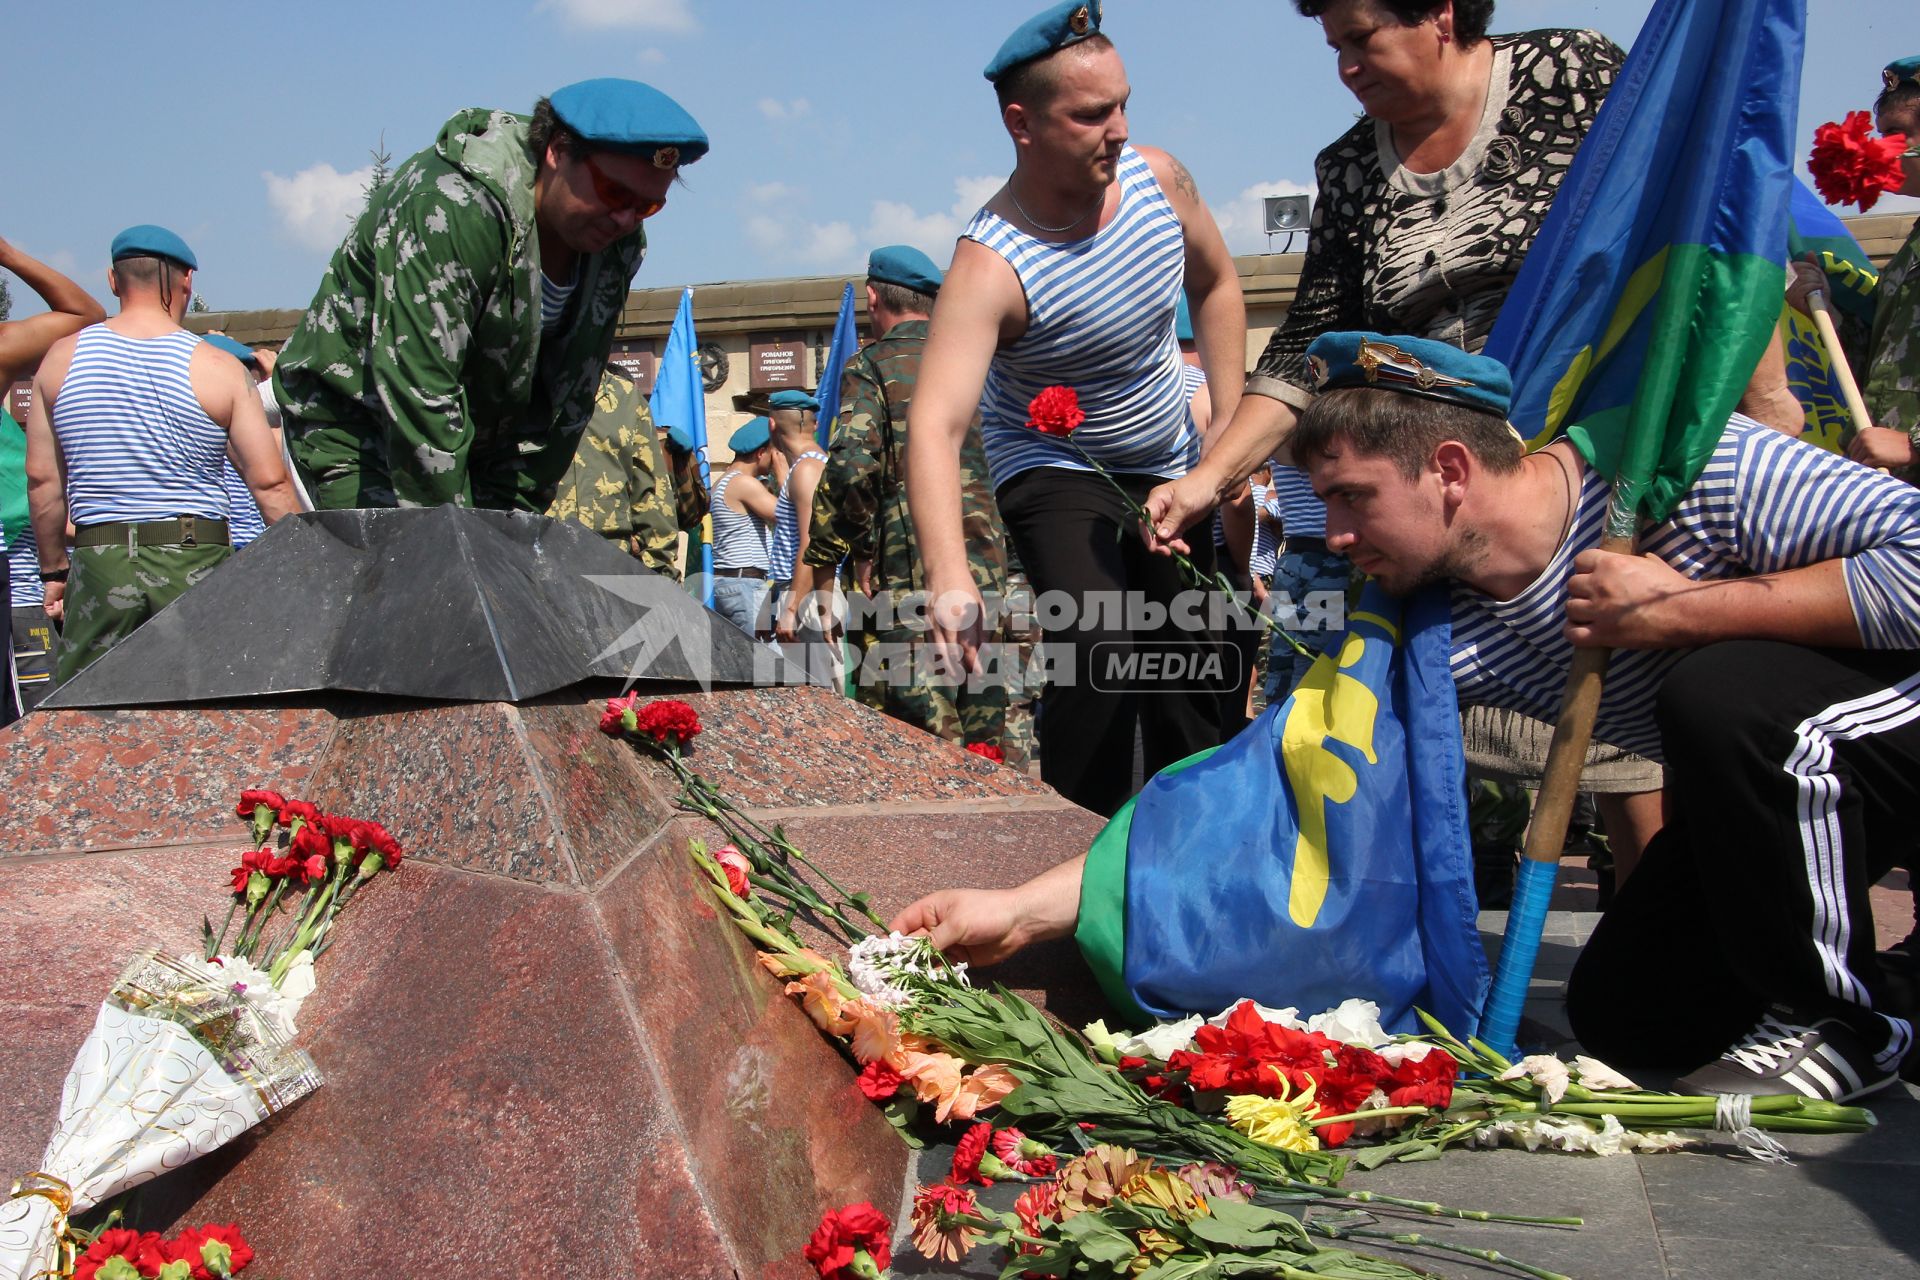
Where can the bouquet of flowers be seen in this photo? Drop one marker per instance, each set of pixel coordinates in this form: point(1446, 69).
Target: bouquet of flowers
point(189, 1052)
point(1851, 166)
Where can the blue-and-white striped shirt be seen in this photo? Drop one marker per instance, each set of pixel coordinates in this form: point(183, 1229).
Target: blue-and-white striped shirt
point(1266, 543)
point(136, 442)
point(739, 537)
point(1302, 514)
point(786, 524)
point(1764, 503)
point(1099, 320)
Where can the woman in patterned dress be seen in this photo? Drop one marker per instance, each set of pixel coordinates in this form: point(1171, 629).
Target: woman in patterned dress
point(1425, 209)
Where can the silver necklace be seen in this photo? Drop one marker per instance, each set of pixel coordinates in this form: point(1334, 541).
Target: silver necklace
point(1065, 226)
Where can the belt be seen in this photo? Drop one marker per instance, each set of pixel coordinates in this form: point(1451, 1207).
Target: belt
point(1291, 546)
point(180, 531)
point(747, 571)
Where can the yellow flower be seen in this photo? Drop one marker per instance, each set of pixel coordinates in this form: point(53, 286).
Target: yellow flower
point(1277, 1122)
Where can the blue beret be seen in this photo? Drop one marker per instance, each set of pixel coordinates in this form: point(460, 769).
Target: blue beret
point(906, 266)
point(1415, 366)
point(1183, 320)
point(680, 438)
point(1056, 28)
point(791, 399)
point(630, 117)
point(238, 350)
point(1905, 71)
point(149, 241)
point(750, 437)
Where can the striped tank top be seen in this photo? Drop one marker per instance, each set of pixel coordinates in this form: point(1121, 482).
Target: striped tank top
point(786, 525)
point(137, 444)
point(1302, 514)
point(739, 537)
point(244, 522)
point(1100, 320)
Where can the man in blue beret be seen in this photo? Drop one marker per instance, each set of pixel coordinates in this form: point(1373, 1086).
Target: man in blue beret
point(620, 485)
point(1766, 648)
point(454, 349)
point(860, 513)
point(743, 511)
point(1888, 356)
point(132, 424)
point(792, 415)
point(1069, 276)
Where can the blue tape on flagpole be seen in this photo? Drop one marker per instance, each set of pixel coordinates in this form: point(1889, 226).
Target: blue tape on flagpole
point(1526, 921)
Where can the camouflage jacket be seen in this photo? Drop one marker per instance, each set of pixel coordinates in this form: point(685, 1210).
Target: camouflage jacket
point(619, 485)
point(860, 504)
point(419, 374)
point(689, 496)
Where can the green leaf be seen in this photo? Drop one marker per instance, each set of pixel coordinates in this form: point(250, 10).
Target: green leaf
point(1182, 1266)
point(1098, 1242)
point(901, 1112)
point(1248, 1227)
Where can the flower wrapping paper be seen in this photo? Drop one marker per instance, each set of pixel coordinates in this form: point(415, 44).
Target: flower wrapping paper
point(175, 1067)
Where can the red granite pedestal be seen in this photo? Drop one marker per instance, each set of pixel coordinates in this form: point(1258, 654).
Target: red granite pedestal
point(544, 1052)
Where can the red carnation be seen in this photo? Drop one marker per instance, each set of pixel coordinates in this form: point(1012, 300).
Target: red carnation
point(117, 1243)
point(967, 1156)
point(297, 809)
point(338, 827)
point(843, 1232)
point(214, 1250)
point(1851, 166)
point(1023, 1155)
point(616, 719)
point(988, 751)
point(251, 800)
point(381, 841)
point(879, 1081)
point(1056, 411)
point(668, 719)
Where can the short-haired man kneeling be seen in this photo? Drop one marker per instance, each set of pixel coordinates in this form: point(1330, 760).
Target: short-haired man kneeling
point(1767, 650)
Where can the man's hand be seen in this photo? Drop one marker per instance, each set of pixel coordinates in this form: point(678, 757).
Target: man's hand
point(55, 601)
point(957, 616)
point(1626, 602)
point(265, 357)
point(1881, 447)
point(1804, 279)
point(786, 627)
point(969, 926)
point(1175, 505)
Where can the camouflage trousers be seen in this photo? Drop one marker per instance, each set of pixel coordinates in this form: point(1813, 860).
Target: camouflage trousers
point(892, 678)
point(113, 590)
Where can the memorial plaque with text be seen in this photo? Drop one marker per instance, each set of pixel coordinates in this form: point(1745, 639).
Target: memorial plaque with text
point(773, 365)
point(638, 360)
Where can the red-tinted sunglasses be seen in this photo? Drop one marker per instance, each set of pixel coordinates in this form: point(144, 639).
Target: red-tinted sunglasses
point(616, 197)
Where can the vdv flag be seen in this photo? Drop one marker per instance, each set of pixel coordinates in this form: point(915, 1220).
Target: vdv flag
point(679, 399)
point(1654, 285)
point(1321, 854)
point(1813, 229)
point(846, 341)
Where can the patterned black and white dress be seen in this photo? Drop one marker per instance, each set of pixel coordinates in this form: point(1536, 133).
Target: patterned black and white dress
point(1432, 255)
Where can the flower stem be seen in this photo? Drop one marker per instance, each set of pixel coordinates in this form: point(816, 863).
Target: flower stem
point(213, 946)
point(1414, 1239)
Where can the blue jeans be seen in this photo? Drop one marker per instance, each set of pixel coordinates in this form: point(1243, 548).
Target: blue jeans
point(1300, 581)
point(743, 602)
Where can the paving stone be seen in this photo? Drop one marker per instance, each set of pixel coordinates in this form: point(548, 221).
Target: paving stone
point(1707, 1197)
point(1689, 1259)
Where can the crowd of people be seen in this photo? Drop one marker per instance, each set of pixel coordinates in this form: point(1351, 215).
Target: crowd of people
point(1761, 729)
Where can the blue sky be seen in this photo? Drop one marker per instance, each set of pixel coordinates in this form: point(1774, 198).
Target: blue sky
point(835, 126)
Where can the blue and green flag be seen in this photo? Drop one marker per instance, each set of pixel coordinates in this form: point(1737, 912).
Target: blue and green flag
point(1321, 854)
point(1655, 283)
point(1814, 230)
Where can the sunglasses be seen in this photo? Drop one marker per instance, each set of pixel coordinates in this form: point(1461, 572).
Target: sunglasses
point(616, 197)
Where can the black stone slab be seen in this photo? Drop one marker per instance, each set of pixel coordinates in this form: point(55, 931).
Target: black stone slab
point(442, 602)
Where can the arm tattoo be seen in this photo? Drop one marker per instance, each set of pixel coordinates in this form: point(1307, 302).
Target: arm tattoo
point(1184, 180)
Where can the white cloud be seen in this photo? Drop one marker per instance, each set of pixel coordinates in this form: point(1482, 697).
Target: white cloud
point(837, 246)
point(652, 57)
point(602, 15)
point(1242, 219)
point(316, 204)
point(769, 192)
point(793, 109)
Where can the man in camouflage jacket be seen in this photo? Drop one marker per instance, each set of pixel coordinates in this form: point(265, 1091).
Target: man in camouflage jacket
point(423, 372)
point(860, 511)
point(619, 485)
